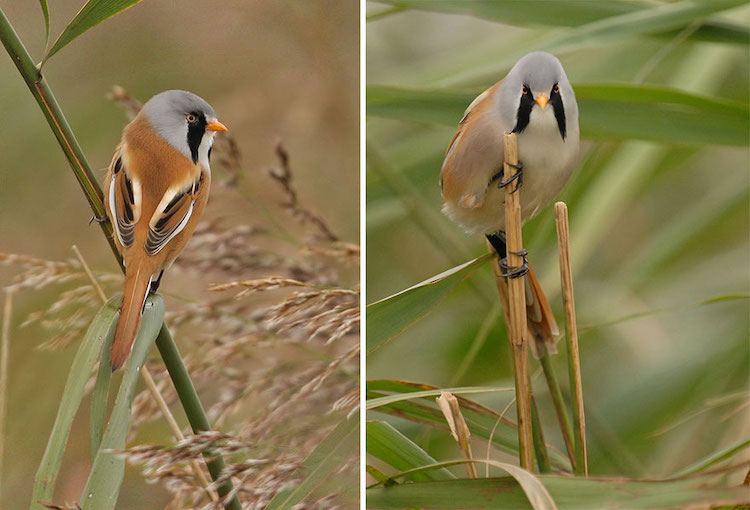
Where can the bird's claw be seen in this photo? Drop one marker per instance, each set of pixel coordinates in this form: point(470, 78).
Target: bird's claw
point(512, 271)
point(98, 219)
point(518, 177)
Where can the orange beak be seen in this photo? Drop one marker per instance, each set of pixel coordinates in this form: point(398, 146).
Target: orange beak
point(215, 125)
point(542, 100)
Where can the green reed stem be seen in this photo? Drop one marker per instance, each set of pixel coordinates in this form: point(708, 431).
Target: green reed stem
point(561, 410)
point(537, 434)
point(60, 128)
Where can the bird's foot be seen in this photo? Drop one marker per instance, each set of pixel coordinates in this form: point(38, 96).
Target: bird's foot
point(518, 177)
point(512, 271)
point(98, 219)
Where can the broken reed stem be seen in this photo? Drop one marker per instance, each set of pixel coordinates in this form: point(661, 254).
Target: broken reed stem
point(571, 329)
point(4, 348)
point(517, 302)
point(448, 404)
point(151, 385)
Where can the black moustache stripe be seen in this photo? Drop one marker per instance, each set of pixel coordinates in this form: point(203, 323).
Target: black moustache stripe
point(524, 111)
point(527, 104)
point(557, 105)
point(196, 130)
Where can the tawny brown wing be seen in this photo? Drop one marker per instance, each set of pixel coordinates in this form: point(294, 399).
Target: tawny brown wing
point(124, 198)
point(450, 170)
point(171, 217)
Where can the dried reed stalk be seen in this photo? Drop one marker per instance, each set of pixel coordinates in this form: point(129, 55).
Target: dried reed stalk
point(448, 404)
point(537, 436)
point(4, 343)
point(151, 385)
point(283, 175)
point(517, 304)
point(574, 363)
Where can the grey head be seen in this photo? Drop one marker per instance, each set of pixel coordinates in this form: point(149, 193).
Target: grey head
point(536, 83)
point(185, 121)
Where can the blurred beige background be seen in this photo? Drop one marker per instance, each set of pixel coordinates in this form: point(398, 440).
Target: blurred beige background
point(281, 69)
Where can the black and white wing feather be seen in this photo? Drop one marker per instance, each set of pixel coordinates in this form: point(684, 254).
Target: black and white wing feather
point(171, 216)
point(124, 201)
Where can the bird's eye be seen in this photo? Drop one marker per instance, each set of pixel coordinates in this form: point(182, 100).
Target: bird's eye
point(525, 89)
point(555, 89)
point(191, 118)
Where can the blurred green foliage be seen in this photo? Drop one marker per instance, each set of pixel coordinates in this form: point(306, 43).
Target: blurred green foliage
point(659, 217)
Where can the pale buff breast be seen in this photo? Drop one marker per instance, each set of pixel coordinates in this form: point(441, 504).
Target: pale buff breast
point(548, 163)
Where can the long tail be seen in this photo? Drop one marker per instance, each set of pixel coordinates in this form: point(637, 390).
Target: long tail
point(137, 281)
point(540, 321)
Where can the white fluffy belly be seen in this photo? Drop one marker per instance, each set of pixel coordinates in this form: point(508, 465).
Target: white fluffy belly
point(548, 163)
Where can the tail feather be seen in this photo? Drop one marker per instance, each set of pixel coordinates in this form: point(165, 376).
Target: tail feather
point(137, 281)
point(540, 321)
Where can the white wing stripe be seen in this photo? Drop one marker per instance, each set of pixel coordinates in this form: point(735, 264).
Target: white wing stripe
point(177, 229)
point(113, 210)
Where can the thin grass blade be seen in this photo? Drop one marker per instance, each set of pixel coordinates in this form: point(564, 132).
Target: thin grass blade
point(660, 18)
point(562, 13)
point(713, 459)
point(376, 473)
point(107, 471)
point(322, 462)
point(382, 401)
point(483, 423)
point(392, 315)
point(45, 12)
point(392, 447)
point(568, 494)
point(569, 13)
point(642, 112)
point(99, 400)
point(665, 311)
point(87, 355)
point(93, 13)
point(536, 493)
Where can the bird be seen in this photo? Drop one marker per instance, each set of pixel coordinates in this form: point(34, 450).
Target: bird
point(536, 101)
point(156, 189)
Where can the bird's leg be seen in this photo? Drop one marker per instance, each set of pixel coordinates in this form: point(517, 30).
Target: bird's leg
point(518, 177)
point(497, 241)
point(98, 219)
point(155, 283)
